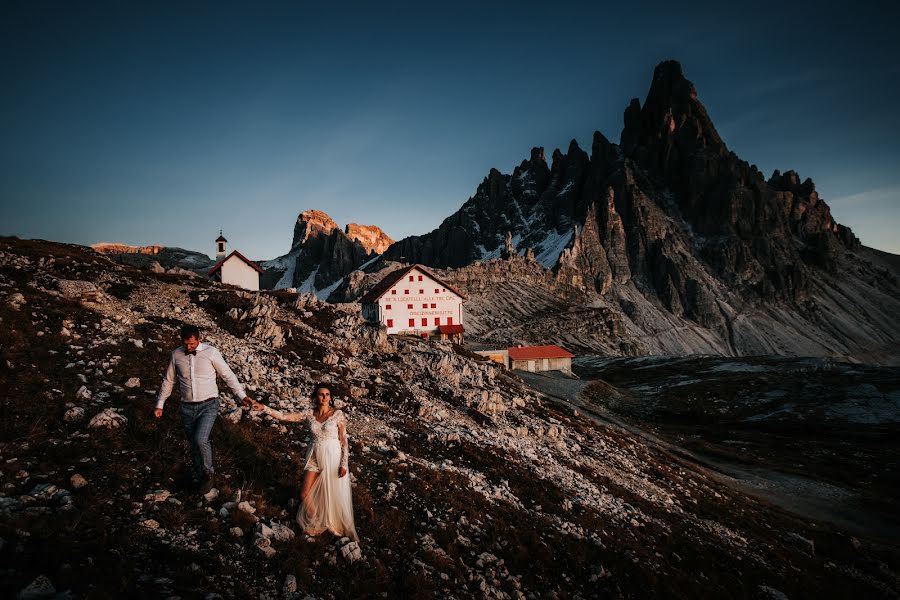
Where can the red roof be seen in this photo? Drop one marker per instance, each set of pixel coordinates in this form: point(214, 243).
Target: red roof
point(240, 256)
point(381, 288)
point(451, 329)
point(533, 352)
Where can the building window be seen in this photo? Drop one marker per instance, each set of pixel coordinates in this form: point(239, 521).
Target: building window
point(412, 322)
point(433, 305)
point(394, 292)
point(387, 307)
point(436, 291)
point(410, 277)
point(421, 291)
point(443, 290)
point(409, 306)
point(406, 292)
point(424, 322)
point(390, 322)
point(420, 278)
point(437, 321)
point(449, 320)
point(424, 305)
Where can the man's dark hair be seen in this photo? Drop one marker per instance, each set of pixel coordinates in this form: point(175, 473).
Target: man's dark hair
point(190, 331)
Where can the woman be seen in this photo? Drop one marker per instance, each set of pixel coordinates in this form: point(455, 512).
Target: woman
point(326, 499)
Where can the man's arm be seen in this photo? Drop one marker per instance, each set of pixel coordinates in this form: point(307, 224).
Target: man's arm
point(165, 389)
point(227, 375)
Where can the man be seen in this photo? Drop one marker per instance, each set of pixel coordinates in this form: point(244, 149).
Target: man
point(196, 365)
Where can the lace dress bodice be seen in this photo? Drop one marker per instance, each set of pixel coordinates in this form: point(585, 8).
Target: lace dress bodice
point(328, 429)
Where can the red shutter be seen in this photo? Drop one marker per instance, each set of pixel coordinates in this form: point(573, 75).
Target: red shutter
point(421, 291)
point(390, 322)
point(437, 321)
point(424, 322)
point(387, 307)
point(412, 322)
point(420, 278)
point(424, 305)
point(410, 277)
point(449, 320)
point(433, 305)
point(436, 291)
point(408, 306)
point(394, 292)
point(406, 292)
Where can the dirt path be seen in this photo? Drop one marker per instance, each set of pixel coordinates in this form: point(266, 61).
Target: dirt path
point(805, 497)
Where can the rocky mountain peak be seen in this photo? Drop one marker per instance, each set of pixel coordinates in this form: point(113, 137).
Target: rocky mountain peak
point(672, 124)
point(311, 223)
point(371, 237)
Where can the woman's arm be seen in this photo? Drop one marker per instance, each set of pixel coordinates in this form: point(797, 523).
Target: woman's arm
point(277, 414)
point(345, 447)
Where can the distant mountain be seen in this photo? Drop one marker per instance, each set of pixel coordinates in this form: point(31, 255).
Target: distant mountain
point(686, 247)
point(156, 257)
point(322, 254)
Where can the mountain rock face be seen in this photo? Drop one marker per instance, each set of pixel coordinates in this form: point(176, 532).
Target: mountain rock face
point(322, 254)
point(159, 258)
point(370, 236)
point(692, 247)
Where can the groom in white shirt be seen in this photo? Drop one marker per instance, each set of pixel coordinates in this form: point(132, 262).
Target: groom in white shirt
point(195, 366)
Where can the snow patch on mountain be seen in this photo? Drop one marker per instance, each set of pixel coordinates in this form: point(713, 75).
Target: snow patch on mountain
point(552, 246)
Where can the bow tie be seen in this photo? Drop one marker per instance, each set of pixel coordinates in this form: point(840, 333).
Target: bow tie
point(194, 353)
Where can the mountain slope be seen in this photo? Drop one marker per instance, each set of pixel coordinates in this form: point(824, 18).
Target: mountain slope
point(467, 483)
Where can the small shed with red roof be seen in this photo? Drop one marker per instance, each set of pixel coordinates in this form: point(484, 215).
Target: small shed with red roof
point(413, 300)
point(540, 358)
point(234, 269)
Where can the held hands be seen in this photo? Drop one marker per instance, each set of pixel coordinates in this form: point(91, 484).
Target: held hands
point(342, 472)
point(248, 401)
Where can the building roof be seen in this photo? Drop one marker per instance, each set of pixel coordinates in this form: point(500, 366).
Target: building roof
point(221, 238)
point(534, 352)
point(451, 329)
point(237, 254)
point(393, 277)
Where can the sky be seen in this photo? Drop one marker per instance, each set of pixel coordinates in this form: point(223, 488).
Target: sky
point(164, 122)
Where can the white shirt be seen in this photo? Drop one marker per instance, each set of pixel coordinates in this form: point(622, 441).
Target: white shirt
point(197, 375)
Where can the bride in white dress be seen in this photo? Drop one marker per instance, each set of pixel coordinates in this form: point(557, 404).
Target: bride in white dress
point(326, 499)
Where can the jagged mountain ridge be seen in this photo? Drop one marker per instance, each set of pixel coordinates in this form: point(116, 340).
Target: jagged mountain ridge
point(322, 254)
point(672, 231)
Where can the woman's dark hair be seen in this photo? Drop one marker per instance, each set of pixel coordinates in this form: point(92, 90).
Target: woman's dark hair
point(317, 387)
point(190, 331)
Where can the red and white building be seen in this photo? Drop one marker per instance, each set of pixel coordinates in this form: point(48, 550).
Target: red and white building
point(412, 300)
point(235, 268)
point(540, 358)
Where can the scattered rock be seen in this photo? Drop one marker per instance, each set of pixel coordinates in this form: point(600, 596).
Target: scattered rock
point(74, 415)
point(41, 587)
point(133, 382)
point(211, 495)
point(150, 524)
point(108, 419)
point(78, 481)
point(246, 508)
point(157, 496)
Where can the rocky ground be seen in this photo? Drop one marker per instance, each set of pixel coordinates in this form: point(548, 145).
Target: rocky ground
point(466, 482)
point(821, 431)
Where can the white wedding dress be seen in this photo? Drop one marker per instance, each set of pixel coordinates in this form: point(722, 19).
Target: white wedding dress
point(329, 504)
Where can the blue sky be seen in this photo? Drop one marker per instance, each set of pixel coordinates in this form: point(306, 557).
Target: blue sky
point(161, 123)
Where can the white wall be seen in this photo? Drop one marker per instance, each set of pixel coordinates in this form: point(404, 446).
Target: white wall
point(421, 295)
point(237, 272)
